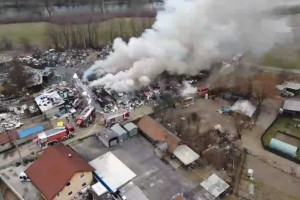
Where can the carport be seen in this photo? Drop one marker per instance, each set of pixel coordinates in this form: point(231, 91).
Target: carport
point(185, 154)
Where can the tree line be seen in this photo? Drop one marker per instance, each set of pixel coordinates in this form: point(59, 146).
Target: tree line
point(94, 35)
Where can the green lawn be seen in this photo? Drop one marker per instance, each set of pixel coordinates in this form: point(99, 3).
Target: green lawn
point(286, 124)
point(33, 31)
point(281, 61)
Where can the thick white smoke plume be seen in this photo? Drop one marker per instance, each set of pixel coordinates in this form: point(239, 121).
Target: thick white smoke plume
point(188, 89)
point(187, 36)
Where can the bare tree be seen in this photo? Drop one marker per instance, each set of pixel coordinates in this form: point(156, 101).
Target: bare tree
point(66, 35)
point(264, 86)
point(53, 35)
point(6, 44)
point(121, 28)
point(283, 76)
point(49, 7)
point(237, 119)
point(134, 29)
point(112, 31)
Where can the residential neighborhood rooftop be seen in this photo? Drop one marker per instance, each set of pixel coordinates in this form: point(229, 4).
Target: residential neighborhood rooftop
point(54, 168)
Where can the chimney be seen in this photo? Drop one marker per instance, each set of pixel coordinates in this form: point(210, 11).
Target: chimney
point(70, 155)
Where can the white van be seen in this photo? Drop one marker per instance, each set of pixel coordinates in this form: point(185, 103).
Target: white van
point(23, 177)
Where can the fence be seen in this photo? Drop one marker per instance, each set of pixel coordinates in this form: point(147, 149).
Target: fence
point(279, 153)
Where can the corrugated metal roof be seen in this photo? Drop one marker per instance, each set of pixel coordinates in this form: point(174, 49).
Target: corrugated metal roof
point(118, 129)
point(8, 136)
point(244, 107)
point(214, 185)
point(157, 132)
point(31, 131)
point(283, 147)
point(54, 169)
point(112, 171)
point(292, 105)
point(289, 85)
point(130, 126)
point(185, 154)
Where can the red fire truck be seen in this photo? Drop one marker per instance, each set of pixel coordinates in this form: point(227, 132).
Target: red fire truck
point(86, 116)
point(115, 117)
point(202, 91)
point(53, 136)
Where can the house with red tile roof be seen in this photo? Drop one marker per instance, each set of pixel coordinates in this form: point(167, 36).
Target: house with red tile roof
point(60, 173)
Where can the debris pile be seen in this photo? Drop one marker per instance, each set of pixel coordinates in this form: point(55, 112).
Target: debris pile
point(53, 58)
point(105, 51)
point(9, 121)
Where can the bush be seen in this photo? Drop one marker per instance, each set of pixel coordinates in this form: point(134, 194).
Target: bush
point(5, 44)
point(25, 42)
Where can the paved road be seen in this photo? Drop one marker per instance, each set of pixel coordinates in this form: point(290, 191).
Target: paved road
point(273, 69)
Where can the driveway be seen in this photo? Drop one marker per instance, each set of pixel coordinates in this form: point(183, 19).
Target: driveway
point(251, 138)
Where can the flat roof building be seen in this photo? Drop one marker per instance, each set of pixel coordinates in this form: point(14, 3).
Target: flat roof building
point(214, 185)
point(185, 154)
point(122, 133)
point(291, 107)
point(49, 100)
point(131, 128)
point(112, 171)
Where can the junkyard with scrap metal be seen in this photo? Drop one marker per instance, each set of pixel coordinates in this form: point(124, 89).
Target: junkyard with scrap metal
point(230, 130)
point(218, 124)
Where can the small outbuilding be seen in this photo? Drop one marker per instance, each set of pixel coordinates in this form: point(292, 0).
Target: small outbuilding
point(244, 107)
point(122, 133)
point(108, 137)
point(112, 171)
point(185, 154)
point(290, 87)
point(131, 128)
point(291, 107)
point(214, 185)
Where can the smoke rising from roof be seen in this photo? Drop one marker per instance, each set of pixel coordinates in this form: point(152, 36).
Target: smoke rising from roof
point(187, 36)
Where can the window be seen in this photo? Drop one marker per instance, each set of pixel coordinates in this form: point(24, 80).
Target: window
point(83, 184)
point(70, 193)
point(81, 175)
point(68, 184)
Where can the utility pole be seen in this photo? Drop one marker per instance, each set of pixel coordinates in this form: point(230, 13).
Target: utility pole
point(17, 147)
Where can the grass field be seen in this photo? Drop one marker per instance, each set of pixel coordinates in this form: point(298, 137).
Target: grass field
point(285, 124)
point(35, 32)
point(282, 57)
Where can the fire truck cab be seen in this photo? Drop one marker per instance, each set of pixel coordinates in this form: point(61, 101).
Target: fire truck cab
point(53, 136)
point(86, 116)
point(202, 91)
